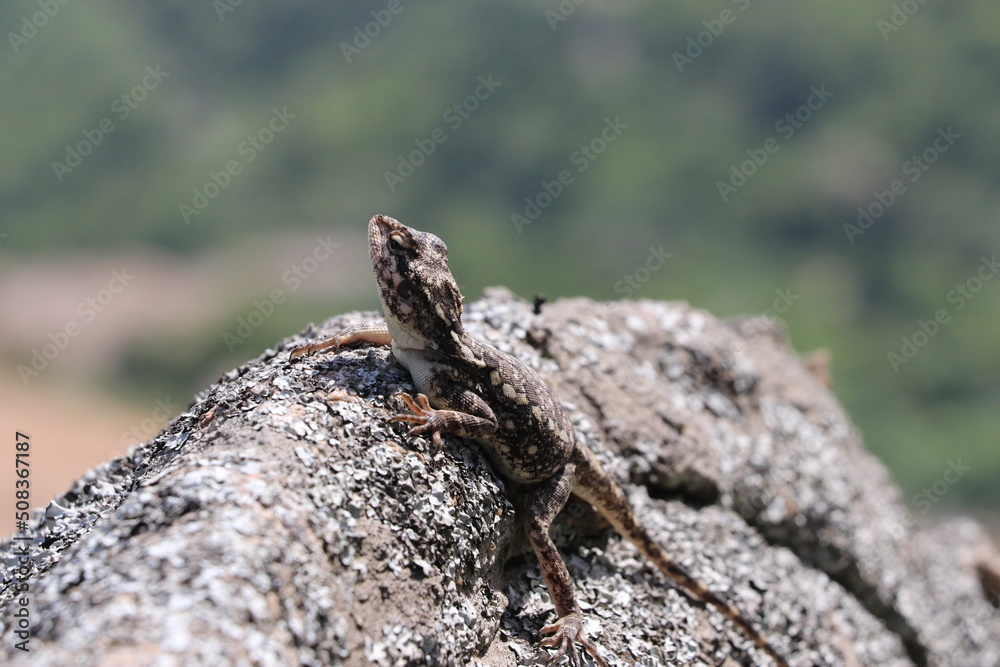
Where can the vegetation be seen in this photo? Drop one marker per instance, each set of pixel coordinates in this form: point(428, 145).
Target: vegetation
point(843, 155)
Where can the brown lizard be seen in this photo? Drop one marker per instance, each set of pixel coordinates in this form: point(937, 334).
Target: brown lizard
point(470, 389)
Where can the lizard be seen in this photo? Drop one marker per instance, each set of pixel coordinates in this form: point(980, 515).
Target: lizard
point(470, 389)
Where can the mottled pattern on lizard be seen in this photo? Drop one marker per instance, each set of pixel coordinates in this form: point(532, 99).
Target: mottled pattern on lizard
point(470, 389)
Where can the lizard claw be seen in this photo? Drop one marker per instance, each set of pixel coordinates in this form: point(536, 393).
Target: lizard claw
point(566, 633)
point(423, 416)
point(301, 351)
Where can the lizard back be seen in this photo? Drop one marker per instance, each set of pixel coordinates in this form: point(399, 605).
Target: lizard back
point(534, 436)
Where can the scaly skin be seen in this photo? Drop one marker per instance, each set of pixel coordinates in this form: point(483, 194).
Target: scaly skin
point(470, 389)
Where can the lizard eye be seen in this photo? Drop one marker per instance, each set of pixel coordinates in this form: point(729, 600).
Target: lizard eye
point(395, 246)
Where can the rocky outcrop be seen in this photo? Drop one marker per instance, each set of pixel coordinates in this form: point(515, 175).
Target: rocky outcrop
point(283, 520)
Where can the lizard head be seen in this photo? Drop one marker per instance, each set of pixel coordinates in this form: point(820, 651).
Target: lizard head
point(421, 302)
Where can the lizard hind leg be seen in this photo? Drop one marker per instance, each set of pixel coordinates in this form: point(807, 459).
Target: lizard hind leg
point(547, 499)
point(596, 486)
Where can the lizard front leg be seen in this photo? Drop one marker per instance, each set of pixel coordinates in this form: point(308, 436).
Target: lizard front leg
point(369, 332)
point(546, 501)
point(474, 419)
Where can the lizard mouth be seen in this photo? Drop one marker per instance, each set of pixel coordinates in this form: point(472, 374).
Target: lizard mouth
point(378, 229)
point(380, 225)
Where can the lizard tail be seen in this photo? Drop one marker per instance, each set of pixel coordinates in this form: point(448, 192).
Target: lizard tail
point(595, 486)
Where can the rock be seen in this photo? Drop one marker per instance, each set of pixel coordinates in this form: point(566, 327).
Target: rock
point(283, 520)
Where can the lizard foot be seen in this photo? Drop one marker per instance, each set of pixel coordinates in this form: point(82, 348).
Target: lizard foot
point(566, 633)
point(424, 416)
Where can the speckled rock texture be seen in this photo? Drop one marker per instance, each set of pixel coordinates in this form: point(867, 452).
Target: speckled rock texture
point(282, 520)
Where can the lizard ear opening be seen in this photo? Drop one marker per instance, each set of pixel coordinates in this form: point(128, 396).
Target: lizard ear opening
point(406, 290)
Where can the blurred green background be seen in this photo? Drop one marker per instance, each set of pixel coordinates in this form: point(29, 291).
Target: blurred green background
point(742, 137)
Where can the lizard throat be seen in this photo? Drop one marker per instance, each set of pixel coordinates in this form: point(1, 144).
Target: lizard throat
point(406, 337)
